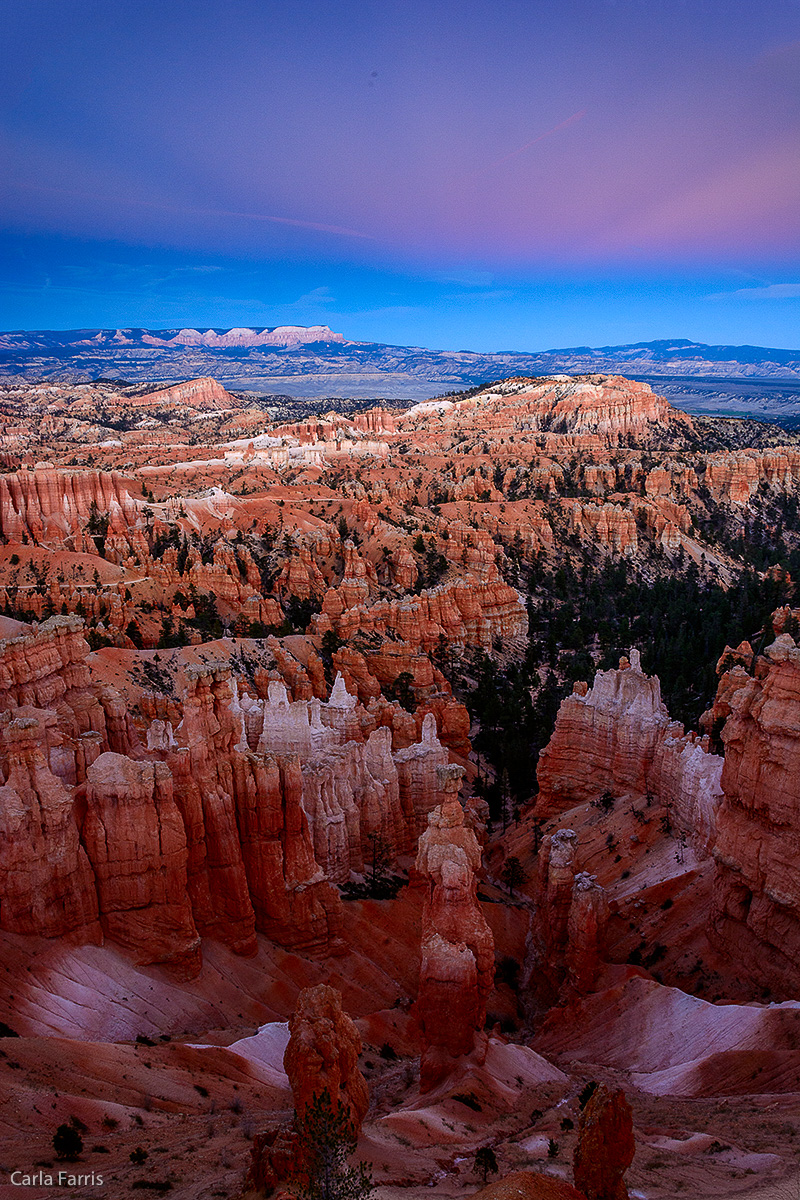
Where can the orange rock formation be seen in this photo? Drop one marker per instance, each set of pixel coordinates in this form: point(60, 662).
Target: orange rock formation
point(322, 1054)
point(605, 1146)
point(457, 944)
point(224, 816)
point(754, 915)
point(571, 916)
point(617, 736)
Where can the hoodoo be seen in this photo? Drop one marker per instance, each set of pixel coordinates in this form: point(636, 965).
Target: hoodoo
point(322, 1054)
point(457, 943)
point(605, 1146)
point(247, 654)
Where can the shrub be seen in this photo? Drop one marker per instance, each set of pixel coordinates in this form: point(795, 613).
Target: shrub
point(67, 1143)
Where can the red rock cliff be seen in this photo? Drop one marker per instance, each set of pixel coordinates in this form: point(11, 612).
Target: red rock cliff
point(617, 737)
point(756, 905)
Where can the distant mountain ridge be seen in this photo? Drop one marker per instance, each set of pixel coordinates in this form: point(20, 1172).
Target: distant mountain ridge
point(276, 335)
point(315, 361)
point(670, 350)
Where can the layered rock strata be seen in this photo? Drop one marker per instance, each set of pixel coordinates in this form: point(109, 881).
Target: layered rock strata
point(47, 505)
point(755, 914)
point(228, 815)
point(617, 736)
point(47, 886)
point(136, 843)
point(568, 930)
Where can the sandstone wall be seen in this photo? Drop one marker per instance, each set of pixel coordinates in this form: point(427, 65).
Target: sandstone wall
point(756, 905)
point(226, 817)
point(617, 737)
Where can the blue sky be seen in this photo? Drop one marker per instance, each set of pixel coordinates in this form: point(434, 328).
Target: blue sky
point(457, 175)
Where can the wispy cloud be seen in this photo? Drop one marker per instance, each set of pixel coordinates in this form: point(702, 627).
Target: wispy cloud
point(771, 291)
point(317, 295)
point(203, 269)
point(480, 297)
point(539, 138)
point(181, 210)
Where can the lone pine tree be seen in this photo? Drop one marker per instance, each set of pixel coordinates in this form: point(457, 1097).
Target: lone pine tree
point(328, 1139)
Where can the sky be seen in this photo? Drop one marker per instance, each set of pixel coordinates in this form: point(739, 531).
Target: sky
point(461, 175)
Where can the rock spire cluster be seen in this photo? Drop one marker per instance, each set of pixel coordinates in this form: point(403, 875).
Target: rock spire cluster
point(226, 816)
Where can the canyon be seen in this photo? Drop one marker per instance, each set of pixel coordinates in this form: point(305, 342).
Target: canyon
point(441, 757)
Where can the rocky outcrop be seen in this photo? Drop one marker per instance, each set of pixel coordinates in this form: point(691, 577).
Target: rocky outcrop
point(202, 393)
point(46, 505)
point(248, 808)
point(605, 1146)
point(210, 839)
point(322, 1054)
point(293, 901)
point(617, 737)
point(47, 886)
point(554, 884)
point(587, 926)
point(321, 1059)
point(417, 773)
point(352, 796)
point(276, 1155)
point(251, 856)
point(457, 969)
point(756, 904)
point(49, 669)
point(464, 612)
point(612, 525)
point(202, 769)
point(568, 931)
point(355, 788)
point(734, 669)
point(736, 476)
point(136, 843)
point(606, 407)
point(605, 738)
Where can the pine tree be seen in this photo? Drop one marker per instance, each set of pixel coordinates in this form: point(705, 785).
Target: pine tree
point(328, 1139)
point(485, 1162)
point(513, 873)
